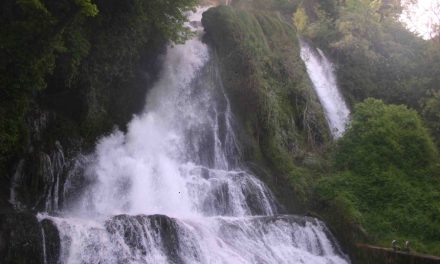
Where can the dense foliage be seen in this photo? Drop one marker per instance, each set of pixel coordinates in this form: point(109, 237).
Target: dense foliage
point(386, 182)
point(388, 175)
point(73, 46)
point(72, 69)
point(380, 181)
point(376, 55)
point(382, 136)
point(31, 35)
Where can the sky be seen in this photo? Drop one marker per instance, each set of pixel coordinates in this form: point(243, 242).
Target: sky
point(421, 16)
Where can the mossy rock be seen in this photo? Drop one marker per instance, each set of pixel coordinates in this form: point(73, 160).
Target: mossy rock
point(280, 117)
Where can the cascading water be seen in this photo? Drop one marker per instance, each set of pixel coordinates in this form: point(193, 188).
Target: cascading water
point(321, 72)
point(171, 189)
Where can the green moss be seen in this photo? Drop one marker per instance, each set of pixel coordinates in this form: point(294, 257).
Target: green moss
point(266, 80)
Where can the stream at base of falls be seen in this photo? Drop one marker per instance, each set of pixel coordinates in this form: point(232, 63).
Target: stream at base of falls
point(172, 190)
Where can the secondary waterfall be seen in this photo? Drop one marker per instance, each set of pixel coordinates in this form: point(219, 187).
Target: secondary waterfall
point(321, 72)
point(171, 189)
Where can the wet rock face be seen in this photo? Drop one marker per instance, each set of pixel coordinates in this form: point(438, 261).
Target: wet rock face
point(220, 203)
point(130, 229)
point(144, 233)
point(20, 239)
point(51, 242)
point(37, 181)
point(254, 197)
point(167, 229)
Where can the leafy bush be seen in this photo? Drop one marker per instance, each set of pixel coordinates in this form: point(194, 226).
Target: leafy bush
point(382, 136)
point(387, 176)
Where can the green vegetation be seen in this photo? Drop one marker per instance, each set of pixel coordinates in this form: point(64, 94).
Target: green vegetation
point(376, 55)
point(281, 121)
point(382, 136)
point(384, 180)
point(83, 61)
point(388, 175)
point(381, 180)
point(74, 47)
point(285, 7)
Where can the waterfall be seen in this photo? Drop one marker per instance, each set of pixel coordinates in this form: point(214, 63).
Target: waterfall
point(321, 73)
point(172, 190)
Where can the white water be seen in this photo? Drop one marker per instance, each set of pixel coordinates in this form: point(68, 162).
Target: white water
point(171, 189)
point(321, 72)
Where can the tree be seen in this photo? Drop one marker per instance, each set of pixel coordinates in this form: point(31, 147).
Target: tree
point(381, 136)
point(39, 37)
point(387, 176)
